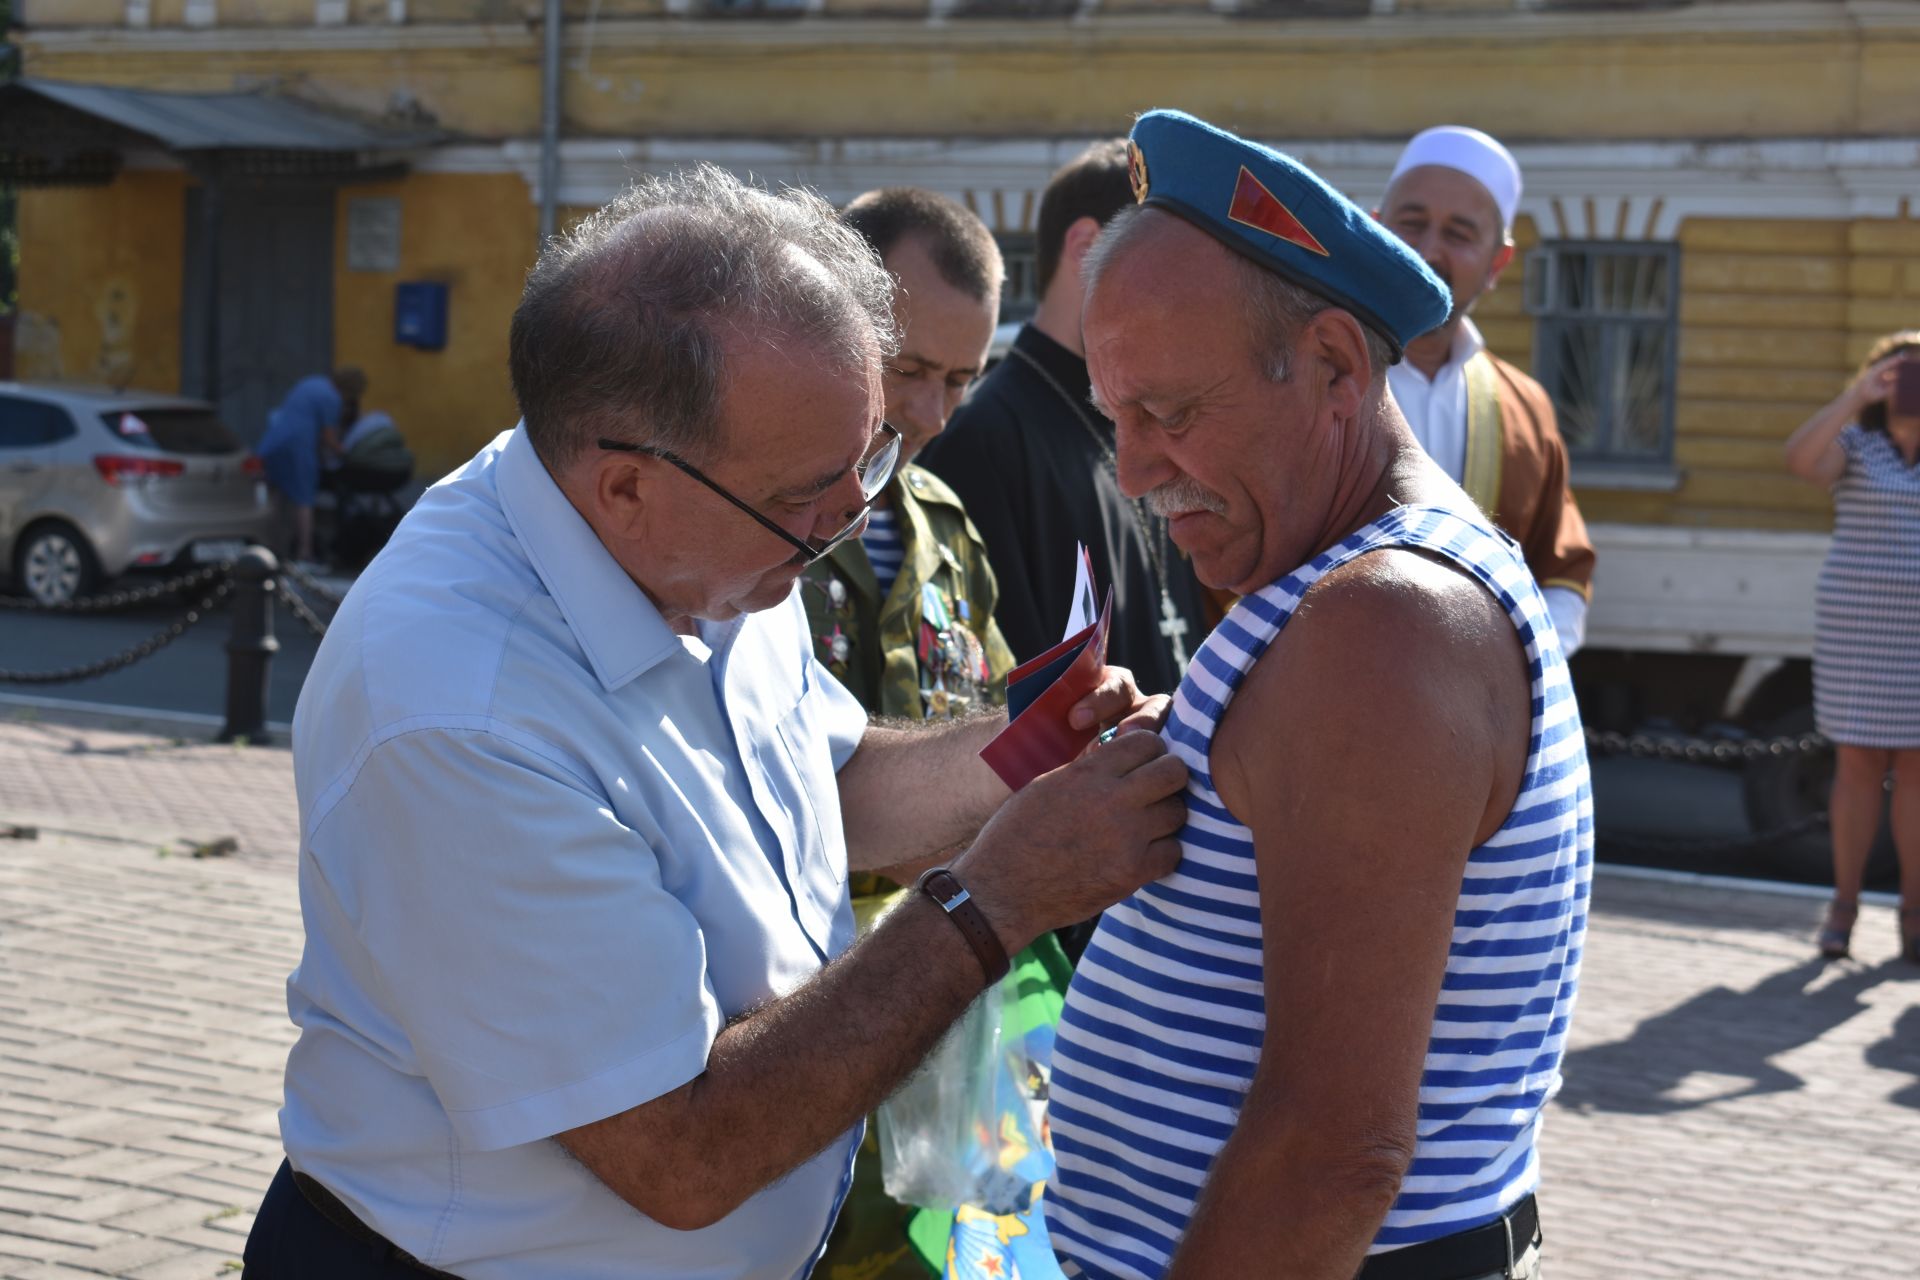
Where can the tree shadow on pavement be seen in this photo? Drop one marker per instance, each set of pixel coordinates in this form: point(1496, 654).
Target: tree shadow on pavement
point(1900, 1051)
point(1717, 1046)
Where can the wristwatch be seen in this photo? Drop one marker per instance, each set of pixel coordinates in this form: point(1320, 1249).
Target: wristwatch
point(952, 897)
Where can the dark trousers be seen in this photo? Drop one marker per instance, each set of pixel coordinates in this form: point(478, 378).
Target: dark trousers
point(292, 1241)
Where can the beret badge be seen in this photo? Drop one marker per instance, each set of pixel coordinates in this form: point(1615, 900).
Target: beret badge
point(1255, 206)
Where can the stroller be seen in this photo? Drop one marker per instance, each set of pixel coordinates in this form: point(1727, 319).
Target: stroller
point(375, 467)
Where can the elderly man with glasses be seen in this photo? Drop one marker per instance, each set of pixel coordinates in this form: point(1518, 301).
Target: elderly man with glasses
point(580, 995)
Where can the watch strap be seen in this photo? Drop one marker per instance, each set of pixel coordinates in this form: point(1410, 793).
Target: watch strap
point(952, 897)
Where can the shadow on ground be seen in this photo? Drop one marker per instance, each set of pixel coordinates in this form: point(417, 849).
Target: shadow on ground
point(1900, 1051)
point(1733, 1037)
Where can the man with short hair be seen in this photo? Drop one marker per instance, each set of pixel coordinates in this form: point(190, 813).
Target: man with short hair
point(1034, 463)
point(580, 997)
point(1491, 428)
point(903, 614)
point(1321, 1047)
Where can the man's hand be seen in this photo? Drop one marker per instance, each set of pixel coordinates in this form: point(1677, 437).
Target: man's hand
point(912, 794)
point(1077, 840)
point(1117, 703)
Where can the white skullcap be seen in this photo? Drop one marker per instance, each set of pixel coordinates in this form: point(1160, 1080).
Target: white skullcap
point(1473, 153)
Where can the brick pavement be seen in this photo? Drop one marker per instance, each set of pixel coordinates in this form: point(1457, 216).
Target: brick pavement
point(142, 1007)
point(1731, 1110)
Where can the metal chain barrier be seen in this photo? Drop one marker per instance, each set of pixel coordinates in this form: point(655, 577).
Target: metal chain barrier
point(300, 608)
point(1710, 751)
point(1703, 750)
point(146, 648)
point(309, 584)
point(124, 599)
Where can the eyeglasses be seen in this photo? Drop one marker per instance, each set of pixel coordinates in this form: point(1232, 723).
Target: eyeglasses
point(874, 472)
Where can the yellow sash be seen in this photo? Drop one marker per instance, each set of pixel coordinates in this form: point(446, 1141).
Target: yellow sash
point(1481, 478)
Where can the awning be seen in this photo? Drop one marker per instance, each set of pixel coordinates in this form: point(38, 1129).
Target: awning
point(52, 131)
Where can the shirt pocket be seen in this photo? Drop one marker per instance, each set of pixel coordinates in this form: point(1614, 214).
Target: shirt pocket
point(818, 873)
point(815, 791)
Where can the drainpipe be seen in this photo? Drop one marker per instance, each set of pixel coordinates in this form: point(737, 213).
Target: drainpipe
point(212, 186)
point(550, 123)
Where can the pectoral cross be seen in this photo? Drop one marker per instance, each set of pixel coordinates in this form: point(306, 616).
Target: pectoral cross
point(1173, 626)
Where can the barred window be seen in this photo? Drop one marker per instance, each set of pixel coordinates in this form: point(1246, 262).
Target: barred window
point(1020, 295)
point(1606, 340)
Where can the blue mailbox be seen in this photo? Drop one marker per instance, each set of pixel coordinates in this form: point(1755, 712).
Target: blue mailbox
point(420, 314)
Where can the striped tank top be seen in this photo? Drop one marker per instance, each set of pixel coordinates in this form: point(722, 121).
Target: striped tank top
point(1166, 1014)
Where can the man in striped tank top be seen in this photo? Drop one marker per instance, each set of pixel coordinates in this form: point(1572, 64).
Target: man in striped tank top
point(1322, 1046)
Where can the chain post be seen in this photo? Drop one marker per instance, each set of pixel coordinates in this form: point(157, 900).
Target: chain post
point(250, 646)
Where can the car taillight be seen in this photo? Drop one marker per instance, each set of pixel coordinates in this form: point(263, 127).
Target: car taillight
point(253, 467)
point(118, 469)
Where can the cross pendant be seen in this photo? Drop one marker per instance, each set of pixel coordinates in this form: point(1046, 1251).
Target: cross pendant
point(1173, 627)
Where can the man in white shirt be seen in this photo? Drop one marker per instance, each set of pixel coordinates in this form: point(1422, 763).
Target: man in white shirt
point(580, 996)
point(1491, 427)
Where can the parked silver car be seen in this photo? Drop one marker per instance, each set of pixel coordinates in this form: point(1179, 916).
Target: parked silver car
point(94, 482)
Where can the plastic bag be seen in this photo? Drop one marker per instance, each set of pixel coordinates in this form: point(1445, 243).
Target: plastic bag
point(965, 1128)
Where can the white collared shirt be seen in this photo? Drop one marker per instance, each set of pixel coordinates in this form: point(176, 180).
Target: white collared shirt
point(1436, 407)
point(1436, 410)
point(550, 847)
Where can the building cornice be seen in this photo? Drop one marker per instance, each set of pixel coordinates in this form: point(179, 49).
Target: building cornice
point(1164, 33)
point(1620, 190)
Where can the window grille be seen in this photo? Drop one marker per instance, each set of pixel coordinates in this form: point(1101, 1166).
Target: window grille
point(1606, 342)
point(1020, 295)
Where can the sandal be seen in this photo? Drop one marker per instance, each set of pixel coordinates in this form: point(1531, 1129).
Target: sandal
point(1835, 938)
point(1910, 934)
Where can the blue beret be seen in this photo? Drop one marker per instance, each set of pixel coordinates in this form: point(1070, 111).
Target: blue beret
point(1276, 211)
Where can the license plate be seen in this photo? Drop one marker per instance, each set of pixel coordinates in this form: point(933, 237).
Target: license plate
point(219, 550)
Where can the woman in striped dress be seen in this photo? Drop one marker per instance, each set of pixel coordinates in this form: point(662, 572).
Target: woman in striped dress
point(1866, 654)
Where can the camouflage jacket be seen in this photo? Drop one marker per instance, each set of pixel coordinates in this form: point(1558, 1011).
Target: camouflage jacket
point(931, 648)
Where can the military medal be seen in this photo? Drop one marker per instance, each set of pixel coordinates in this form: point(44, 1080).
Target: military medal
point(838, 647)
point(834, 590)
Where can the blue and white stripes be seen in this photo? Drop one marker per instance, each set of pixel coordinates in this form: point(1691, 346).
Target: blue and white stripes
point(886, 549)
point(1866, 664)
point(1166, 1016)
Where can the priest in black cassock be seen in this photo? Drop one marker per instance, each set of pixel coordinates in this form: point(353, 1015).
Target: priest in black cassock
point(1033, 462)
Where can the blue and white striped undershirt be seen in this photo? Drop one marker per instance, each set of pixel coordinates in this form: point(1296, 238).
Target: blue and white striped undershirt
point(886, 550)
point(1166, 1016)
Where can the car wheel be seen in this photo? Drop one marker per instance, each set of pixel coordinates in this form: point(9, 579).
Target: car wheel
point(54, 564)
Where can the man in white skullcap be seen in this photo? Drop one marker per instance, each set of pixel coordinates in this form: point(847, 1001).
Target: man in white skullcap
point(1491, 427)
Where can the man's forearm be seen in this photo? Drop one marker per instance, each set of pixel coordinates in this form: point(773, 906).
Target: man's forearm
point(913, 792)
point(1272, 1208)
point(786, 1080)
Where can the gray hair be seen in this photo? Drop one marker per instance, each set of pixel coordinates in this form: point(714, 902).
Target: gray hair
point(1277, 310)
point(622, 326)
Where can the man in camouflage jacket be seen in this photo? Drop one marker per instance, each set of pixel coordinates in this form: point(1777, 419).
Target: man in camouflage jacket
point(903, 615)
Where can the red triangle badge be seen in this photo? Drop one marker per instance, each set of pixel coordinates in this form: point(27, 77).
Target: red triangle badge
point(1255, 206)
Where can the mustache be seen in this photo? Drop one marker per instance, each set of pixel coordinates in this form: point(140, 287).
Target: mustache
point(1184, 494)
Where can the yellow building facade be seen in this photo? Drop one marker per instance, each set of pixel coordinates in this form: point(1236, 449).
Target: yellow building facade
point(1766, 153)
